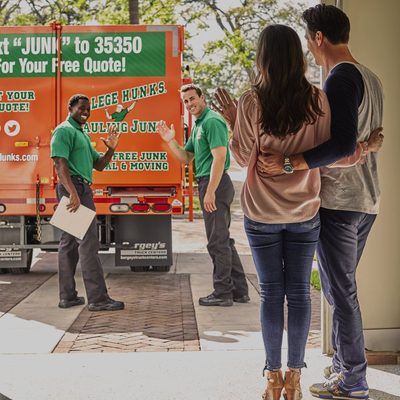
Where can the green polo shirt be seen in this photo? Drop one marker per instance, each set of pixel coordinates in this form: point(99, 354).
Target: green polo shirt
point(119, 116)
point(70, 142)
point(209, 131)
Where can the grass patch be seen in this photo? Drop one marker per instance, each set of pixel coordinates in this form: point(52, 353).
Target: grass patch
point(315, 281)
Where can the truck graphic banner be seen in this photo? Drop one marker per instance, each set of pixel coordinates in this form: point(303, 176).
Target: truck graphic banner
point(83, 54)
point(131, 74)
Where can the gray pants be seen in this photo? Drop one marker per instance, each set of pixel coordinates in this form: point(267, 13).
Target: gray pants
point(228, 276)
point(71, 250)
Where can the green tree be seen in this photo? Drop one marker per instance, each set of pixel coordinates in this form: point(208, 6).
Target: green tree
point(225, 61)
point(228, 61)
point(8, 9)
point(143, 11)
point(159, 11)
point(42, 12)
point(113, 12)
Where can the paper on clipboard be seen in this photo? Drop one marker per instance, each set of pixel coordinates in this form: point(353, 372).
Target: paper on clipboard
point(75, 223)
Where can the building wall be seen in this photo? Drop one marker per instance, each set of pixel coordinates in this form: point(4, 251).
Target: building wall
point(374, 41)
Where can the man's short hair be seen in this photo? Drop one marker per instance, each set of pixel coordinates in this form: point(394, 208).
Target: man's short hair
point(329, 20)
point(192, 86)
point(75, 99)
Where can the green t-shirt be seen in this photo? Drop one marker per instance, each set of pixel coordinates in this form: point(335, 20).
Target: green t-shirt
point(119, 116)
point(209, 131)
point(70, 142)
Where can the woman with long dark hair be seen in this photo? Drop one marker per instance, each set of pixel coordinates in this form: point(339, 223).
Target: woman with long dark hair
point(282, 113)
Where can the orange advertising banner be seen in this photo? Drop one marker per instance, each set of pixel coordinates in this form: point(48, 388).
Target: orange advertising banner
point(132, 76)
point(27, 115)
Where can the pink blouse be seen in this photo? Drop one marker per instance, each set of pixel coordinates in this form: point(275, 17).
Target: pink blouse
point(285, 198)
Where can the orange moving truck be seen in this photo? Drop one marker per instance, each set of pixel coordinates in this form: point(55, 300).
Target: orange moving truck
point(132, 75)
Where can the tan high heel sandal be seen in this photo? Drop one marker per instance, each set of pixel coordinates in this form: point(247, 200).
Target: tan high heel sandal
point(292, 388)
point(274, 385)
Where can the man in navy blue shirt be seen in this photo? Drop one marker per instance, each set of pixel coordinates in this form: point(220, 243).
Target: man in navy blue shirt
point(349, 196)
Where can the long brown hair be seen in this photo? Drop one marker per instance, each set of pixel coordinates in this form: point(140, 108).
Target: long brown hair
point(287, 99)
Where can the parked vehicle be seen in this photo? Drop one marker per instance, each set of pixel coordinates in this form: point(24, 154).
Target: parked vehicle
point(132, 75)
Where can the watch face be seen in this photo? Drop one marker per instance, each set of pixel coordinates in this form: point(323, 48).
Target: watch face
point(288, 169)
point(287, 166)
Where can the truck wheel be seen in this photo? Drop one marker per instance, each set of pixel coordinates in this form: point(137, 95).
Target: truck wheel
point(161, 268)
point(140, 269)
point(29, 254)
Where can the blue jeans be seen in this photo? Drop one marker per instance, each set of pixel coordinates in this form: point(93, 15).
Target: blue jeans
point(342, 240)
point(283, 256)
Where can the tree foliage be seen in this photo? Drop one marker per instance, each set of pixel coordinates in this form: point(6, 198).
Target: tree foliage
point(113, 12)
point(230, 57)
point(42, 12)
point(78, 12)
point(226, 60)
point(159, 11)
point(8, 10)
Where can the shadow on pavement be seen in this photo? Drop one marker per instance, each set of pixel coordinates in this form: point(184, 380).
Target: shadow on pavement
point(378, 394)
point(391, 369)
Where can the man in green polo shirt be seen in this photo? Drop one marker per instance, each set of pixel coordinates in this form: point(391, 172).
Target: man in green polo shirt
point(74, 159)
point(209, 145)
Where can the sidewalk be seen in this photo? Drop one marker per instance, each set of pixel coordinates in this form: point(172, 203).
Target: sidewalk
point(163, 346)
point(225, 363)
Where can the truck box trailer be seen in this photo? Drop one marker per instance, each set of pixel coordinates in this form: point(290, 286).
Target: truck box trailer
point(132, 75)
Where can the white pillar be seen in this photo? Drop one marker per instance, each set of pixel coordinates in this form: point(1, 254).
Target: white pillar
point(375, 42)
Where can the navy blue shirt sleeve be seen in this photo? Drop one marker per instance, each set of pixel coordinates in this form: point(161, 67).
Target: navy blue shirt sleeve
point(344, 88)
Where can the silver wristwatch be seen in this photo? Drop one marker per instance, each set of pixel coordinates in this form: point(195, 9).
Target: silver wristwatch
point(287, 166)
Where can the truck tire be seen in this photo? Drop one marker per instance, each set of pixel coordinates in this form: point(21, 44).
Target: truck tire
point(140, 268)
point(28, 264)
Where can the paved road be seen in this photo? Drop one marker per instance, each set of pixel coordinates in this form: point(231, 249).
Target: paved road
point(164, 346)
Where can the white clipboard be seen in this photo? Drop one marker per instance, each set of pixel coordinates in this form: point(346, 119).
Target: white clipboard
point(75, 223)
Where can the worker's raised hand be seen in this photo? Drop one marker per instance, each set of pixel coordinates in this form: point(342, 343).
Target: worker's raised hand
point(226, 106)
point(167, 134)
point(112, 139)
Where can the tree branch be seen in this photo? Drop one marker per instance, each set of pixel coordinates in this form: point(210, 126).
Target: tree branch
point(40, 17)
point(8, 12)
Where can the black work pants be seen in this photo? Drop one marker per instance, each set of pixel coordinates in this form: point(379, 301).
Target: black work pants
point(228, 276)
point(71, 250)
